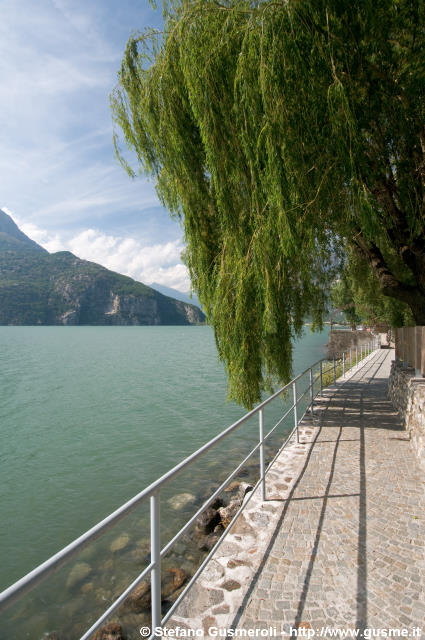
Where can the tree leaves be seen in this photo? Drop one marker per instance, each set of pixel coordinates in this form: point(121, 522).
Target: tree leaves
point(278, 132)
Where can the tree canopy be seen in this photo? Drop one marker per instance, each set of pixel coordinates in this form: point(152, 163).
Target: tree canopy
point(357, 294)
point(283, 134)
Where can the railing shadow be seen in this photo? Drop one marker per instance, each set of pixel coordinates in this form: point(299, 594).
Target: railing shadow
point(270, 546)
point(378, 413)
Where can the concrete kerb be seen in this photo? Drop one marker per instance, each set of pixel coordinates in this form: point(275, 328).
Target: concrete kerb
point(221, 589)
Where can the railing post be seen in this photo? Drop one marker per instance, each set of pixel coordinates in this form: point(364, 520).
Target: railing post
point(357, 355)
point(311, 391)
point(262, 464)
point(321, 378)
point(396, 344)
point(334, 371)
point(156, 559)
point(343, 364)
point(418, 352)
point(351, 358)
point(294, 389)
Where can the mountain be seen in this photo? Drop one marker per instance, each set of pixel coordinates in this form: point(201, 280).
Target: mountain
point(12, 238)
point(174, 293)
point(37, 287)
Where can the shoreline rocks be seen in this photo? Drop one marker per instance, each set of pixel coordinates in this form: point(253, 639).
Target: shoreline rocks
point(111, 631)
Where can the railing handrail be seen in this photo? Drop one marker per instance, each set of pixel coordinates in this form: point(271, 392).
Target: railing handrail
point(30, 579)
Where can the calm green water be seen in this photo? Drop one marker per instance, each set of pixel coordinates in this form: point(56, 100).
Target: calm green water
point(91, 415)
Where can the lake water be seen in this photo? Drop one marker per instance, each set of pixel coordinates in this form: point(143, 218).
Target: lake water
point(89, 417)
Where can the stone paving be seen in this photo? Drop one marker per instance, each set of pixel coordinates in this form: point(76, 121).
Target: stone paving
point(348, 549)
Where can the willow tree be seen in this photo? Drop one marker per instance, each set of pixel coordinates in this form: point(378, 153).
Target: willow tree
point(280, 133)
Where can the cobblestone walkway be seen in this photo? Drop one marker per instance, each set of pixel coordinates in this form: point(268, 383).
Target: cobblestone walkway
point(349, 548)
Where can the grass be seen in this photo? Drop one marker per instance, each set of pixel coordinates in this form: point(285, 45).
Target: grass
point(328, 368)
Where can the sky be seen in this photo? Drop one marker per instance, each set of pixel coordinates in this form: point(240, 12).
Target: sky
point(59, 179)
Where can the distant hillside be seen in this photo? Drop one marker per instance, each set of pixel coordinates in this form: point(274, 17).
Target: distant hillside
point(12, 238)
point(37, 287)
point(174, 293)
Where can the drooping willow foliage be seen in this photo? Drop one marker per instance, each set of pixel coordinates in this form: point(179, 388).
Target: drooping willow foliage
point(280, 132)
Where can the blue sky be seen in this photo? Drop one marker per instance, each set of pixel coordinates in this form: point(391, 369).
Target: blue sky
point(58, 175)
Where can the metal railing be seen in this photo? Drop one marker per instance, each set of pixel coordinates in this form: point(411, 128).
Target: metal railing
point(323, 377)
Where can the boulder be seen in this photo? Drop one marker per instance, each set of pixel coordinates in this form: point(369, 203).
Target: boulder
point(233, 486)
point(172, 581)
point(78, 573)
point(217, 503)
point(181, 500)
point(120, 543)
point(207, 542)
point(87, 587)
point(140, 598)
point(209, 519)
point(227, 513)
point(244, 488)
point(111, 631)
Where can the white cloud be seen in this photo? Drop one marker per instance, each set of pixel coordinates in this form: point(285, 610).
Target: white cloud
point(146, 263)
point(51, 242)
point(9, 212)
point(58, 64)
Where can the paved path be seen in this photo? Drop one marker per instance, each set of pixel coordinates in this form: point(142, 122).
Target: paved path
point(349, 548)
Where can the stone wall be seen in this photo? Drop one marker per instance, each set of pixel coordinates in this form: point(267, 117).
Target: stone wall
point(407, 393)
point(342, 340)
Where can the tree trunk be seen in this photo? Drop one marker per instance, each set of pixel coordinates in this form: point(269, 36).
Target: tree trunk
point(417, 305)
point(412, 295)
